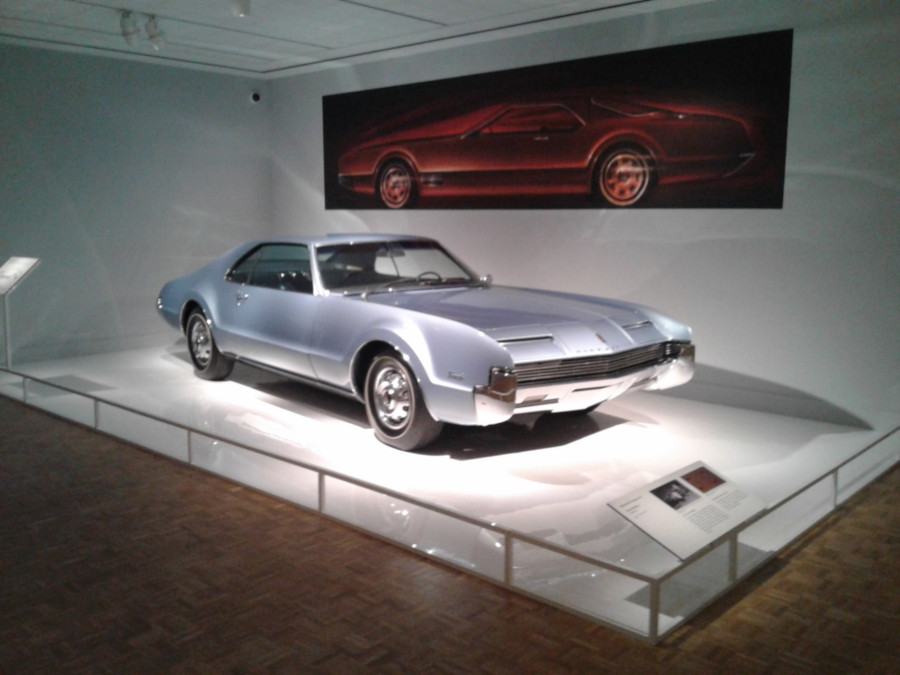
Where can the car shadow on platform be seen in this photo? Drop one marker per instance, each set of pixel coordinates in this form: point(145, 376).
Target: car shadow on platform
point(288, 394)
point(725, 387)
point(538, 431)
point(527, 433)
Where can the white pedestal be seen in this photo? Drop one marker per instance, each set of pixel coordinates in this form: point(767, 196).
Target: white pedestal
point(524, 508)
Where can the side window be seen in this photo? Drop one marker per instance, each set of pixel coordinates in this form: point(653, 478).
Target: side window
point(240, 273)
point(282, 266)
point(535, 120)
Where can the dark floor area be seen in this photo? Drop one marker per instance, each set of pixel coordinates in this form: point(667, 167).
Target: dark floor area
point(116, 560)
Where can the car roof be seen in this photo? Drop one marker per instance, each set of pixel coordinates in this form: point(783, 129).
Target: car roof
point(339, 238)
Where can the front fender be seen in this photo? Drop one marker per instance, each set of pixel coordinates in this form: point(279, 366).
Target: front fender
point(451, 362)
point(448, 359)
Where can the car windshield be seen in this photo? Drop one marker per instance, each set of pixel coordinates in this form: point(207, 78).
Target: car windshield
point(368, 266)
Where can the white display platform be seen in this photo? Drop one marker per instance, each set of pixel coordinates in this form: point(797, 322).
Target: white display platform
point(526, 508)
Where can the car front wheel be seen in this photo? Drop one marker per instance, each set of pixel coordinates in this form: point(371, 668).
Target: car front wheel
point(396, 185)
point(395, 407)
point(624, 176)
point(209, 362)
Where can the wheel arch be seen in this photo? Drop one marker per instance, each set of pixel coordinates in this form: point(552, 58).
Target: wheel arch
point(187, 309)
point(447, 358)
point(364, 357)
point(625, 140)
point(397, 154)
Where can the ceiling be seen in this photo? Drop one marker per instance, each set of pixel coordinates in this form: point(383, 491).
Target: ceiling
point(280, 37)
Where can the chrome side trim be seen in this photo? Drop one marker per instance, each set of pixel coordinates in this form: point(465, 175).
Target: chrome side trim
point(746, 158)
point(526, 340)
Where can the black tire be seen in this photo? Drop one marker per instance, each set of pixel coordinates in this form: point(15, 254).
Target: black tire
point(209, 362)
point(396, 185)
point(395, 407)
point(624, 176)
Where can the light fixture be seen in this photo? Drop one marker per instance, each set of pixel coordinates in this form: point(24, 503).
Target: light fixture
point(129, 26)
point(239, 8)
point(157, 37)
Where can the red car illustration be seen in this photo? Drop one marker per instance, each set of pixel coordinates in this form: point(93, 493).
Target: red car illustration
point(586, 143)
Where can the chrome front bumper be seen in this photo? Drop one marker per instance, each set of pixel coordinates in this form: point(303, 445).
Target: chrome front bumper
point(584, 393)
point(502, 398)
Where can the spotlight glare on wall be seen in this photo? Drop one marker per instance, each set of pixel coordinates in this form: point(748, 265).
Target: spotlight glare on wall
point(128, 26)
point(240, 8)
point(157, 37)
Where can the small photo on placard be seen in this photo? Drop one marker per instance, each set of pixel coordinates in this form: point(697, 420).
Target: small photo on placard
point(675, 494)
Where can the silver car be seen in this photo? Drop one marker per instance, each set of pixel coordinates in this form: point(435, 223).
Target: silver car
point(400, 324)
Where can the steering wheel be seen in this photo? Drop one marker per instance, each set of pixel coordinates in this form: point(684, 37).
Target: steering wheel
point(429, 274)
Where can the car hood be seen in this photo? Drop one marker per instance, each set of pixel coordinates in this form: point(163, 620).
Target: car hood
point(537, 325)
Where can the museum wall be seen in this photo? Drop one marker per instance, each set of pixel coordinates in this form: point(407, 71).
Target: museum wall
point(794, 310)
point(119, 176)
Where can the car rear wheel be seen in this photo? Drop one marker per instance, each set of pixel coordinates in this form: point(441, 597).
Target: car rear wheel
point(209, 362)
point(624, 176)
point(396, 185)
point(395, 407)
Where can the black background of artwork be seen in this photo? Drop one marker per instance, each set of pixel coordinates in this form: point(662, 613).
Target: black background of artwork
point(750, 71)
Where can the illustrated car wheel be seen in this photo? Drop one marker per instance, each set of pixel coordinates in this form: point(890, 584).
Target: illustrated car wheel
point(395, 407)
point(209, 362)
point(624, 176)
point(396, 185)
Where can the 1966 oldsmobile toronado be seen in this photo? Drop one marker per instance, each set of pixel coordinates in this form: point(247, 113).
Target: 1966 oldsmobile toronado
point(402, 325)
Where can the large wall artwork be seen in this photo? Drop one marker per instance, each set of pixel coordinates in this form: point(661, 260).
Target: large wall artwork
point(701, 125)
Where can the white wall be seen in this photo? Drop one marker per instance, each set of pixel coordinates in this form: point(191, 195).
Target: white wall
point(119, 176)
point(803, 301)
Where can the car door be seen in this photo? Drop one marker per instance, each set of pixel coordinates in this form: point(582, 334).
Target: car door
point(529, 148)
point(269, 312)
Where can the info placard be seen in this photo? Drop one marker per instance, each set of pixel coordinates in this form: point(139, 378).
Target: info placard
point(689, 509)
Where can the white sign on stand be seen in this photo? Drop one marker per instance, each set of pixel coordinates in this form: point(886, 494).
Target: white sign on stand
point(12, 272)
point(689, 509)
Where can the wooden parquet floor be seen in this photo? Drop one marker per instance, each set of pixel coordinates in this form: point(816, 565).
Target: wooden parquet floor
point(116, 560)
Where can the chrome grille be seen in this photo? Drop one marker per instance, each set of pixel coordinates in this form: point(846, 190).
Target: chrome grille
point(607, 365)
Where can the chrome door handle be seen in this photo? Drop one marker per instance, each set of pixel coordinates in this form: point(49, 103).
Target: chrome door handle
point(240, 297)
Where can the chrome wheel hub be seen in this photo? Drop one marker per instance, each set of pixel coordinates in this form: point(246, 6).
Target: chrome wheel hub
point(625, 178)
point(200, 342)
point(395, 186)
point(392, 398)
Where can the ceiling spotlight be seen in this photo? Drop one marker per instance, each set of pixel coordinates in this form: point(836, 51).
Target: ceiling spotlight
point(240, 7)
point(157, 37)
point(129, 26)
